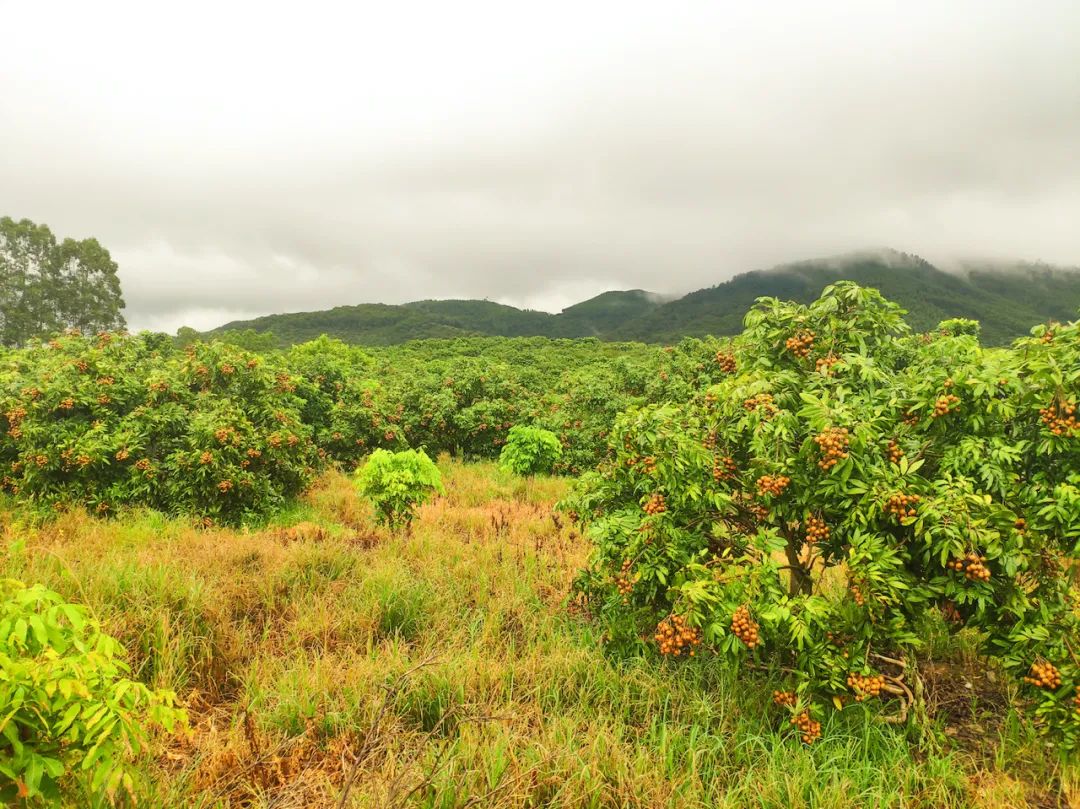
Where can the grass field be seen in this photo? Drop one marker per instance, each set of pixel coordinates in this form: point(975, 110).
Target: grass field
point(327, 663)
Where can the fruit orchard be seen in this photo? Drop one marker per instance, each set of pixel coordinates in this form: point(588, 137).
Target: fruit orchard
point(806, 496)
point(842, 485)
point(228, 436)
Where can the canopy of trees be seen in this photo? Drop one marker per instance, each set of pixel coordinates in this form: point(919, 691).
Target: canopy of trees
point(48, 286)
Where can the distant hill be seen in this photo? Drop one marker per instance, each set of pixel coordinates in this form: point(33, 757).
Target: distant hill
point(384, 324)
point(1007, 298)
point(599, 316)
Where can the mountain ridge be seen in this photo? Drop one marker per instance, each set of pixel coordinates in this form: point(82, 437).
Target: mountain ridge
point(1008, 298)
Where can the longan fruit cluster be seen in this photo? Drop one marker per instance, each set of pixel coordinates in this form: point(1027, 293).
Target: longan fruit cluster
point(945, 405)
point(810, 730)
point(800, 343)
point(1060, 419)
point(656, 504)
point(910, 419)
point(648, 465)
point(767, 484)
point(816, 530)
point(895, 452)
point(972, 566)
point(902, 506)
point(724, 468)
point(865, 687)
point(824, 364)
point(1048, 336)
point(1076, 700)
point(857, 594)
point(763, 402)
point(784, 699)
point(1044, 675)
point(624, 581)
point(834, 446)
point(675, 636)
point(1020, 524)
point(726, 361)
point(745, 627)
point(15, 415)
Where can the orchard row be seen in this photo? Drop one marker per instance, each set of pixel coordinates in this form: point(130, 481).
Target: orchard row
point(111, 420)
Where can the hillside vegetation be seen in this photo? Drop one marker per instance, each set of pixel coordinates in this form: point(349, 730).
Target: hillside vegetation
point(1007, 299)
point(383, 324)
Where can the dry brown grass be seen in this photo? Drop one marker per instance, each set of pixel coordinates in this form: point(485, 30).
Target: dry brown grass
point(322, 655)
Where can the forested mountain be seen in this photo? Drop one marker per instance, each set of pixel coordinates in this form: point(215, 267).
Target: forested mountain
point(1008, 299)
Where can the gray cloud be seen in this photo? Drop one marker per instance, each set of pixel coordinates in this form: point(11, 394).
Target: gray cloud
point(300, 157)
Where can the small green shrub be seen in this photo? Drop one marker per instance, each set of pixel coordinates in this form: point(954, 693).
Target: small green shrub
point(530, 450)
point(68, 711)
point(397, 482)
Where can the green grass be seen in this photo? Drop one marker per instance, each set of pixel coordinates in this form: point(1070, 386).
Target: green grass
point(447, 661)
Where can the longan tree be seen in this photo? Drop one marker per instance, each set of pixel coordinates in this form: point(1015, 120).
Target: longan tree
point(844, 483)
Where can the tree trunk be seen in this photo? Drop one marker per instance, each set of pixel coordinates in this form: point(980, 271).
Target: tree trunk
point(800, 582)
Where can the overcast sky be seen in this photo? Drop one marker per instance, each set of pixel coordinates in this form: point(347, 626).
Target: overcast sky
point(240, 159)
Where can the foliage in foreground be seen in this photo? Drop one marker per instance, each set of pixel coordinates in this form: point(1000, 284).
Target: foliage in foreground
point(844, 479)
point(530, 450)
point(397, 483)
point(68, 711)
